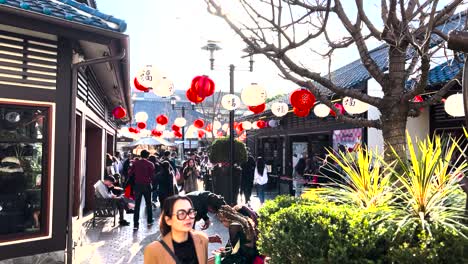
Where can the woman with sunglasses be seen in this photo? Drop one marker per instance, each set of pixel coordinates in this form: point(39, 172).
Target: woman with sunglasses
point(180, 243)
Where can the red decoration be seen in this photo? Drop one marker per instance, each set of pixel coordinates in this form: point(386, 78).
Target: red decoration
point(199, 123)
point(177, 134)
point(131, 129)
point(175, 128)
point(201, 133)
point(140, 87)
point(418, 99)
point(261, 124)
point(302, 99)
point(301, 112)
point(203, 86)
point(156, 133)
point(257, 109)
point(219, 134)
point(119, 112)
point(136, 130)
point(209, 128)
point(193, 97)
point(162, 120)
point(141, 125)
point(339, 107)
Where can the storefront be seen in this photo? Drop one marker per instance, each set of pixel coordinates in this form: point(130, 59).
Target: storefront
point(55, 104)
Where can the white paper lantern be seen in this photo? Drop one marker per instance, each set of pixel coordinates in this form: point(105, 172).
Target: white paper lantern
point(164, 88)
point(279, 109)
point(354, 106)
point(255, 125)
point(230, 102)
point(149, 76)
point(141, 117)
point(160, 127)
point(273, 123)
point(217, 125)
point(254, 95)
point(247, 125)
point(321, 110)
point(454, 105)
point(180, 122)
point(225, 127)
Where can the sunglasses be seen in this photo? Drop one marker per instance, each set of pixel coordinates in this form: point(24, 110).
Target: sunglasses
point(182, 214)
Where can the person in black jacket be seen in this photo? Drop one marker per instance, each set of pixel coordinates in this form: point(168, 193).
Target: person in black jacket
point(204, 202)
point(165, 182)
point(247, 178)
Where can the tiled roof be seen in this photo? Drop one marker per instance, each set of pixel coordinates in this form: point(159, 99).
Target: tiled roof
point(351, 75)
point(69, 10)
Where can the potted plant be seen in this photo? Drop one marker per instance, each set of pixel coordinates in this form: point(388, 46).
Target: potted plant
point(219, 155)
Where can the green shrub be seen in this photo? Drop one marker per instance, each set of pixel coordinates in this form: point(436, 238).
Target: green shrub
point(219, 151)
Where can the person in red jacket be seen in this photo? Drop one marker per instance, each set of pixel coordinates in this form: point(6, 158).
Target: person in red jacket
point(142, 170)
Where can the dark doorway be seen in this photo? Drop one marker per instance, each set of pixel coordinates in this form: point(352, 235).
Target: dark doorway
point(110, 144)
point(94, 167)
point(77, 176)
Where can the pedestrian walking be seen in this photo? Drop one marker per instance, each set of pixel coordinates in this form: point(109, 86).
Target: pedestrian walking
point(261, 179)
point(247, 177)
point(191, 175)
point(166, 182)
point(180, 243)
point(142, 170)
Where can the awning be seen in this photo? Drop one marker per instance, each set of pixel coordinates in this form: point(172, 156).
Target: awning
point(151, 141)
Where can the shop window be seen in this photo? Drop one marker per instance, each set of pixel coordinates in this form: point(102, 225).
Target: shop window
point(24, 170)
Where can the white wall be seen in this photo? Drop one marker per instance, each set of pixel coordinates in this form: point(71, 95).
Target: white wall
point(417, 127)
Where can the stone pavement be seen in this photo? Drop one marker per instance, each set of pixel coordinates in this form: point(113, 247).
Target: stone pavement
point(105, 244)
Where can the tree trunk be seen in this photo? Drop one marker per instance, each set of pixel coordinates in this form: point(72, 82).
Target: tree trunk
point(394, 132)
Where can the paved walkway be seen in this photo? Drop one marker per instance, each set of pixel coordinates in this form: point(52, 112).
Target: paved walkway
point(105, 244)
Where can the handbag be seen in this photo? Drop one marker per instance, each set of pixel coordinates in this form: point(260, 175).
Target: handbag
point(166, 247)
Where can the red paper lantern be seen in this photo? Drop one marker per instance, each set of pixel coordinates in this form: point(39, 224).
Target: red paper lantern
point(339, 107)
point(140, 87)
point(162, 120)
point(418, 99)
point(201, 133)
point(136, 130)
point(156, 133)
point(209, 128)
point(203, 86)
point(219, 134)
point(177, 134)
point(302, 99)
point(119, 112)
point(141, 125)
point(175, 128)
point(261, 124)
point(199, 123)
point(131, 129)
point(257, 109)
point(193, 97)
point(301, 112)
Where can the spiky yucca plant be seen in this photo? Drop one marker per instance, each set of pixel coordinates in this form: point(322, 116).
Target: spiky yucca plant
point(366, 180)
point(429, 191)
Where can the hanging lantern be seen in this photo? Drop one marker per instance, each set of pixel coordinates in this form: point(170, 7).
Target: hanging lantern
point(148, 76)
point(203, 86)
point(302, 99)
point(141, 125)
point(201, 133)
point(257, 109)
point(131, 129)
point(247, 125)
point(136, 130)
point(230, 102)
point(301, 112)
point(175, 128)
point(321, 110)
point(177, 134)
point(156, 133)
point(261, 124)
point(199, 123)
point(418, 99)
point(180, 122)
point(217, 125)
point(255, 125)
point(160, 127)
point(279, 109)
point(164, 88)
point(254, 95)
point(140, 87)
point(454, 105)
point(355, 106)
point(339, 107)
point(225, 127)
point(141, 117)
point(219, 134)
point(273, 123)
point(209, 128)
point(162, 120)
point(119, 112)
point(193, 97)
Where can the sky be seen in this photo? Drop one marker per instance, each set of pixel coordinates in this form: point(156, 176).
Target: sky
point(170, 34)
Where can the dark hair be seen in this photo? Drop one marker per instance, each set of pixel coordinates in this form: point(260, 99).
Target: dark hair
point(215, 201)
point(109, 178)
point(153, 159)
point(167, 153)
point(260, 165)
point(168, 210)
point(117, 178)
point(144, 154)
point(300, 166)
point(108, 159)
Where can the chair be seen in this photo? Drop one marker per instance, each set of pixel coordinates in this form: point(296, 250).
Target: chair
point(104, 208)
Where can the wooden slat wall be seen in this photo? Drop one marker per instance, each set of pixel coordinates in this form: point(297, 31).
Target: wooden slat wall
point(27, 61)
point(90, 92)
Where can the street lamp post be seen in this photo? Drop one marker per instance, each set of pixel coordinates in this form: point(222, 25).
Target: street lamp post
point(173, 103)
point(212, 47)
